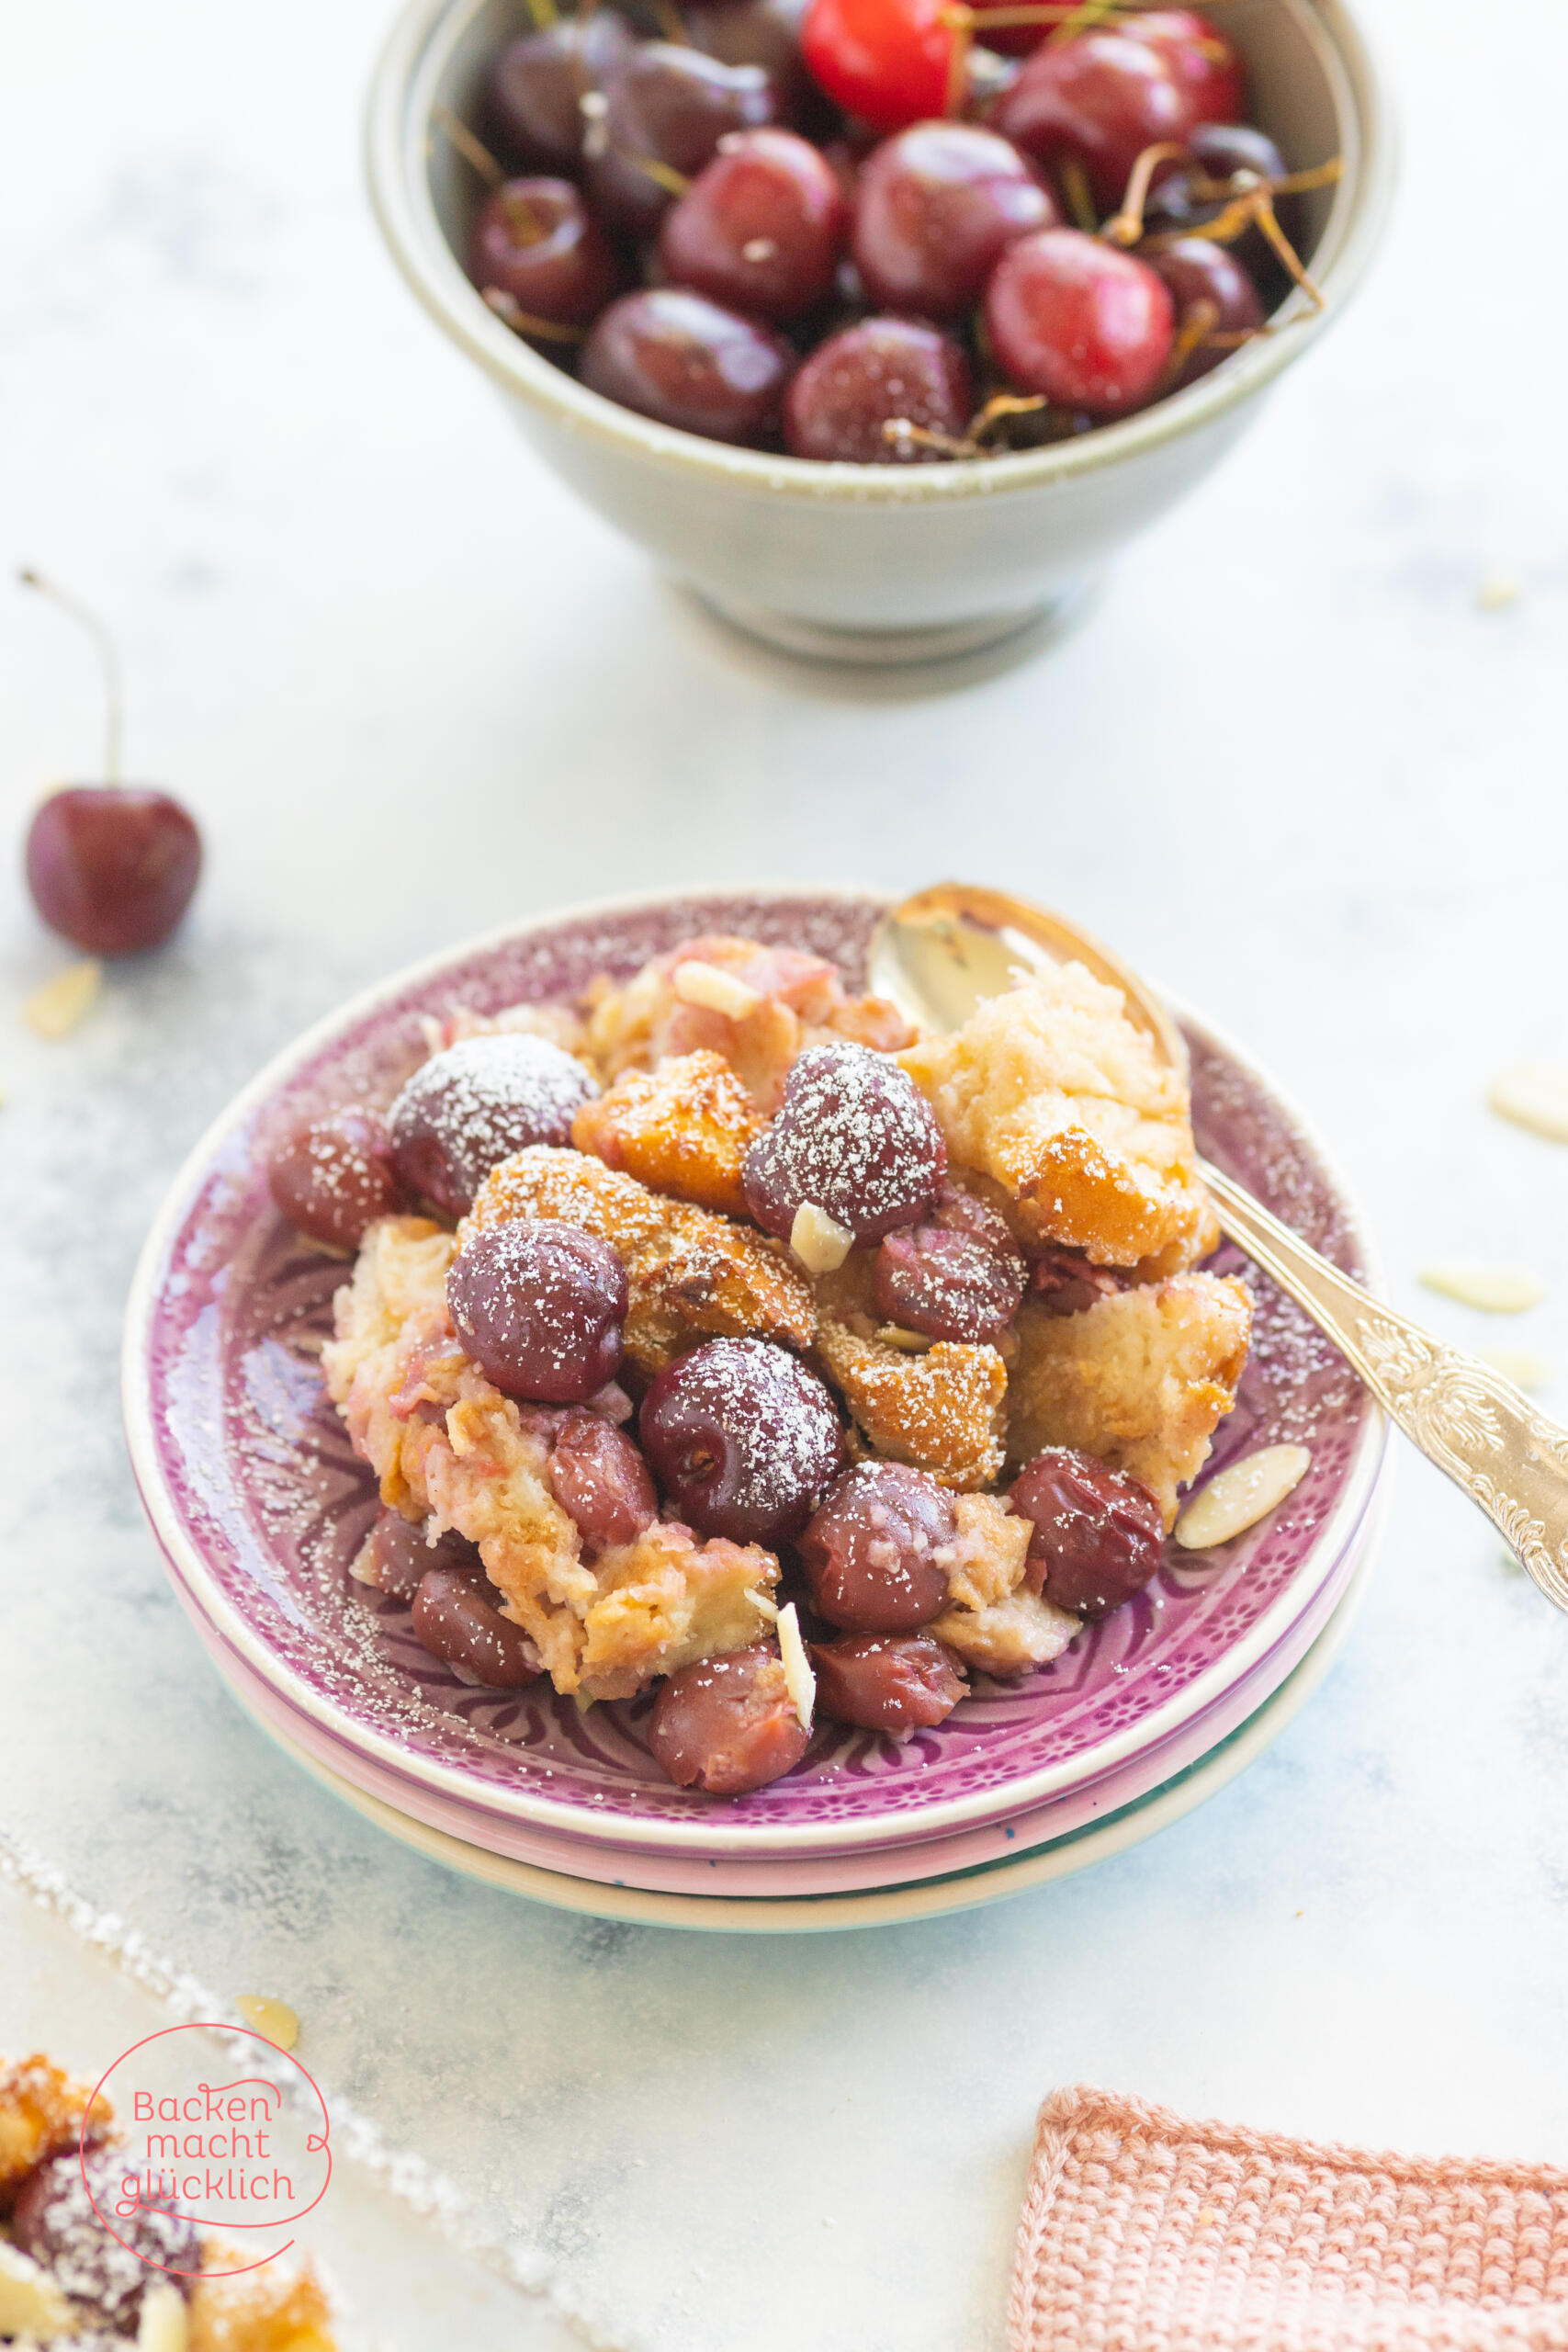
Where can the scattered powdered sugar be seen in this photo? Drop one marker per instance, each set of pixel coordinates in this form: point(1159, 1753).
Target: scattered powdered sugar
point(855, 1138)
point(487, 1097)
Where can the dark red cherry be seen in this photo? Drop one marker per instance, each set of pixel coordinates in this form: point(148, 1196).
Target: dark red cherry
point(892, 1683)
point(668, 105)
point(395, 1555)
point(1006, 41)
point(1100, 98)
point(454, 1619)
point(1197, 270)
point(934, 206)
point(601, 1481)
point(885, 62)
point(874, 1553)
point(1216, 151)
point(540, 1307)
point(56, 2223)
point(1205, 63)
point(534, 109)
point(535, 240)
point(468, 1109)
point(742, 1440)
point(760, 227)
point(334, 1176)
point(1062, 1281)
point(112, 866)
point(727, 1724)
point(682, 360)
point(765, 33)
point(855, 1138)
point(1082, 321)
point(1098, 1535)
point(876, 373)
point(959, 1277)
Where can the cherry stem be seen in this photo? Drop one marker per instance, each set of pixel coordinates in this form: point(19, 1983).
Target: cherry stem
point(544, 13)
point(999, 405)
point(114, 690)
point(901, 431)
point(665, 175)
point(1124, 228)
point(670, 22)
point(525, 223)
point(1198, 323)
point(512, 314)
point(1081, 201)
point(960, 22)
point(473, 151)
point(1083, 20)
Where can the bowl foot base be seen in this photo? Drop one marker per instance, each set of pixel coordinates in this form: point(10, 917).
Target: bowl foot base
point(889, 648)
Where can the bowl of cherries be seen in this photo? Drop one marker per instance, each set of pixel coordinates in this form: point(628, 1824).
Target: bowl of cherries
point(882, 322)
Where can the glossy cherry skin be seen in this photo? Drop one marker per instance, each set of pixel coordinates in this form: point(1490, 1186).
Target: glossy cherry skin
point(112, 866)
point(395, 1557)
point(1087, 324)
point(334, 1176)
point(599, 1478)
point(473, 1105)
point(760, 227)
point(727, 1724)
point(892, 1683)
point(534, 109)
point(1098, 1536)
point(535, 240)
point(454, 1620)
point(871, 375)
point(935, 205)
point(668, 105)
point(873, 1552)
point(1218, 151)
point(742, 1440)
point(540, 1307)
point(682, 360)
point(1101, 97)
point(1197, 270)
point(885, 62)
point(1203, 62)
point(765, 33)
point(855, 1137)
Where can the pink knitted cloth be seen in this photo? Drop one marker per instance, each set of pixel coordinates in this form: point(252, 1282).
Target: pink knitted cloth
point(1143, 2232)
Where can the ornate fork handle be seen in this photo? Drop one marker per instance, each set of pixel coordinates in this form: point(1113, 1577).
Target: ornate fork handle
point(1464, 1416)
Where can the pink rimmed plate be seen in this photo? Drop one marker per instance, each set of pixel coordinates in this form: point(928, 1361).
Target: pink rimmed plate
point(258, 1503)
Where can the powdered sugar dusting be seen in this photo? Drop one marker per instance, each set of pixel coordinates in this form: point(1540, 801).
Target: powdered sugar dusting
point(485, 1098)
point(855, 1138)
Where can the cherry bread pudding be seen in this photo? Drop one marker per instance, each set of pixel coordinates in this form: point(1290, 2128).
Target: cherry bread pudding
point(156, 2280)
point(880, 232)
point(718, 1337)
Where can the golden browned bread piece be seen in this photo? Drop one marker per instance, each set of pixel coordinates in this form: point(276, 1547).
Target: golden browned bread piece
point(991, 1623)
point(940, 1410)
point(684, 1128)
point(757, 1007)
point(449, 1448)
point(1139, 1379)
point(1051, 1090)
point(692, 1274)
point(40, 2116)
point(265, 2311)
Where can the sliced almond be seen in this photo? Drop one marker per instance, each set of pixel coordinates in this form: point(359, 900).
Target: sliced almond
point(765, 1606)
point(1534, 1095)
point(818, 1241)
point(1496, 590)
point(1495, 1288)
point(162, 2326)
point(799, 1677)
point(31, 2304)
point(54, 1011)
point(275, 2019)
point(1521, 1366)
point(715, 991)
point(911, 1343)
point(1240, 1495)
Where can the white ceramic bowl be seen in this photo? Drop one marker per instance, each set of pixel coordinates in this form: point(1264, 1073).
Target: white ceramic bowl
point(878, 562)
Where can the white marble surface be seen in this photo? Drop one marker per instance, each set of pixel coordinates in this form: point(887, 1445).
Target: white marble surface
point(1286, 762)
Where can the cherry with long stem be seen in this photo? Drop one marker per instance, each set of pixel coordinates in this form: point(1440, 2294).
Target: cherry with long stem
point(109, 655)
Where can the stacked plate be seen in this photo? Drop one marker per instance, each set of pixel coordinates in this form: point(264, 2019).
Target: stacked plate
point(259, 1505)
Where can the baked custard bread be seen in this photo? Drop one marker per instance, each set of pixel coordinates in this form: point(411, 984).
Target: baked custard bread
point(65, 2279)
point(816, 1341)
point(1051, 1090)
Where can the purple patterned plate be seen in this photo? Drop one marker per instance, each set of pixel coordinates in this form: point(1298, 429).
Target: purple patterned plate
point(259, 1505)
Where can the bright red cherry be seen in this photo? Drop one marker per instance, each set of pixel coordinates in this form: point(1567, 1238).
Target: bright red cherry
point(934, 206)
point(886, 61)
point(760, 229)
point(1100, 98)
point(1198, 53)
point(535, 240)
point(1087, 324)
